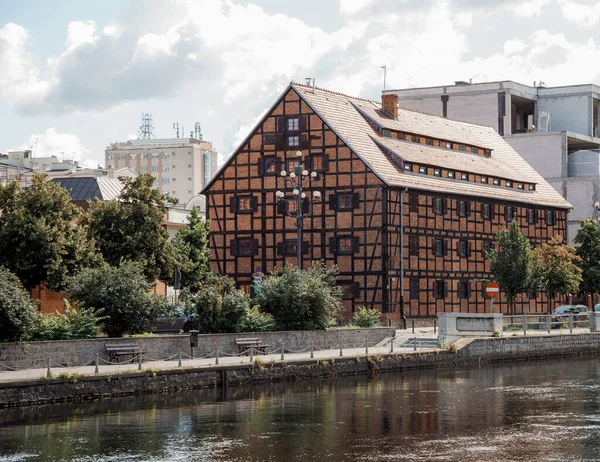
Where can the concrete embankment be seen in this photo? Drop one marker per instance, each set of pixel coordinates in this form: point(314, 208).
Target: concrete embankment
point(469, 353)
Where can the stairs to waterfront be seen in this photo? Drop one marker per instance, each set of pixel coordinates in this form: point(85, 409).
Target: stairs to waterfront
point(422, 342)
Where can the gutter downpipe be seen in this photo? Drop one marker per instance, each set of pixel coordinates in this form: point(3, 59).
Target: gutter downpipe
point(402, 315)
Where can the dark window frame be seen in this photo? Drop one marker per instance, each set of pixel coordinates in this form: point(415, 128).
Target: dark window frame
point(439, 246)
point(440, 289)
point(349, 250)
point(413, 288)
point(413, 245)
point(463, 248)
point(463, 209)
point(550, 218)
point(464, 289)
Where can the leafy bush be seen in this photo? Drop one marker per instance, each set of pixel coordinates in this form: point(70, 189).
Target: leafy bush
point(220, 306)
point(77, 322)
point(17, 312)
point(256, 321)
point(365, 317)
point(122, 292)
point(301, 299)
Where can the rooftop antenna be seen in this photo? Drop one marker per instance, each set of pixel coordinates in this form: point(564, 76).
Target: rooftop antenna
point(182, 131)
point(197, 131)
point(478, 75)
point(310, 82)
point(146, 130)
point(176, 128)
point(384, 67)
point(34, 147)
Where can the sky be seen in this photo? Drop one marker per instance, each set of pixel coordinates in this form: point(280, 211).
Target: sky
point(77, 75)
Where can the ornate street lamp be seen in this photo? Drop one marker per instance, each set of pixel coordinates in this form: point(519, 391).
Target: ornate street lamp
point(296, 179)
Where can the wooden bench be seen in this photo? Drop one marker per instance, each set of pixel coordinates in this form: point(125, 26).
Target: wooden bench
point(116, 350)
point(257, 345)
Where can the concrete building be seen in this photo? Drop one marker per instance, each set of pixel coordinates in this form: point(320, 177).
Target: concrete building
point(555, 129)
point(181, 166)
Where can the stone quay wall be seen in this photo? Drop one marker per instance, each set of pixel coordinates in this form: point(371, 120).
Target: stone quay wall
point(67, 353)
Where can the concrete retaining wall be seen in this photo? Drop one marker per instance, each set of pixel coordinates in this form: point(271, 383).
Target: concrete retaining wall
point(30, 355)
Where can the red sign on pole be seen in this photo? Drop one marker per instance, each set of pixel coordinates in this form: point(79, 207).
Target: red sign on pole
point(492, 289)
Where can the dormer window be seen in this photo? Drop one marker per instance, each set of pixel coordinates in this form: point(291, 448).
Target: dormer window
point(407, 167)
point(474, 150)
point(437, 172)
point(462, 147)
point(387, 133)
point(497, 181)
point(422, 169)
point(448, 145)
point(521, 186)
point(450, 174)
point(484, 179)
point(464, 176)
point(509, 184)
point(532, 187)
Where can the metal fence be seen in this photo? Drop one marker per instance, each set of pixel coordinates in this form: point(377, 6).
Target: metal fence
point(521, 323)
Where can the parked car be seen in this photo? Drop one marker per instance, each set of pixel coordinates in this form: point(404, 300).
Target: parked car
point(561, 314)
point(597, 308)
point(178, 322)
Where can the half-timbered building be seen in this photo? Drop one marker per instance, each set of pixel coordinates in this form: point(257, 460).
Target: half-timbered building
point(452, 185)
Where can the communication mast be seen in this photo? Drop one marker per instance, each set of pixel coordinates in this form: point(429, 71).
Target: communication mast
point(197, 131)
point(176, 128)
point(146, 130)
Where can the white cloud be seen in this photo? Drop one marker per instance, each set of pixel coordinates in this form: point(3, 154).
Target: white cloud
point(513, 46)
point(528, 8)
point(582, 15)
point(80, 32)
point(348, 7)
point(62, 145)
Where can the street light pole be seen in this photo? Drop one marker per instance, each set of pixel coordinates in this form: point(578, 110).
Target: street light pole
point(297, 177)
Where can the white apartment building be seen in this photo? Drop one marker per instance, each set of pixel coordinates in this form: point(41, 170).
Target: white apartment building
point(181, 166)
point(555, 129)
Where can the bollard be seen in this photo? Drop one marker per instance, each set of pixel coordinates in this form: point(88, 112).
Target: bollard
point(392, 345)
point(571, 322)
point(367, 347)
point(413, 326)
point(415, 344)
point(140, 361)
point(48, 373)
point(179, 357)
point(341, 352)
point(251, 353)
point(97, 363)
point(217, 356)
point(524, 324)
point(282, 351)
point(435, 326)
point(549, 322)
point(312, 352)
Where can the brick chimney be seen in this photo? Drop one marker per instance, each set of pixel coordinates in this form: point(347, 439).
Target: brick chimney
point(389, 102)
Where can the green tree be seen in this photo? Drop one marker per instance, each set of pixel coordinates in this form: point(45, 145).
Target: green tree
point(41, 238)
point(17, 313)
point(588, 238)
point(301, 300)
point(191, 244)
point(511, 263)
point(220, 306)
point(131, 228)
point(557, 267)
point(122, 292)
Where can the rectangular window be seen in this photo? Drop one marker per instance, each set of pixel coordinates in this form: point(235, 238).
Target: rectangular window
point(464, 289)
point(550, 218)
point(487, 211)
point(207, 172)
point(346, 201)
point(521, 186)
point(439, 289)
point(422, 169)
point(413, 202)
point(508, 184)
point(166, 180)
point(497, 181)
point(532, 187)
point(438, 247)
point(430, 141)
point(463, 209)
point(437, 172)
point(487, 247)
point(484, 179)
point(346, 245)
point(155, 155)
point(245, 247)
point(387, 133)
point(269, 165)
point(413, 245)
point(462, 147)
point(110, 157)
point(121, 156)
point(166, 168)
point(133, 156)
point(416, 139)
point(319, 163)
point(407, 167)
point(269, 139)
point(244, 204)
point(350, 289)
point(155, 168)
point(144, 169)
point(510, 213)
point(531, 216)
point(166, 155)
point(291, 165)
point(532, 294)
point(450, 174)
point(464, 176)
point(474, 150)
point(448, 145)
point(144, 156)
point(293, 141)
point(439, 206)
point(293, 124)
point(464, 248)
point(414, 288)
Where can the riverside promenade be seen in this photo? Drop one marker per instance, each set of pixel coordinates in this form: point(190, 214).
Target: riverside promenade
point(423, 340)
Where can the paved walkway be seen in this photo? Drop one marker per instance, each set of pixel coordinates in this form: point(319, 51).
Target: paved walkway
point(423, 338)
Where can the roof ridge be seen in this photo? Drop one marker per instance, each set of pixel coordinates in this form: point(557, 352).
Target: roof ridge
point(442, 117)
point(335, 93)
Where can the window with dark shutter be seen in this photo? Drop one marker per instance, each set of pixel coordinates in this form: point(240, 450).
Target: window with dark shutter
point(243, 247)
point(439, 205)
point(464, 248)
point(414, 288)
point(269, 165)
point(246, 204)
point(486, 211)
point(550, 218)
point(345, 245)
point(532, 294)
point(413, 245)
point(280, 124)
point(289, 247)
point(487, 247)
point(350, 289)
point(293, 124)
point(319, 163)
point(463, 209)
point(464, 289)
point(347, 201)
point(439, 289)
point(291, 165)
point(531, 216)
point(269, 139)
point(510, 213)
point(438, 247)
point(413, 202)
point(293, 141)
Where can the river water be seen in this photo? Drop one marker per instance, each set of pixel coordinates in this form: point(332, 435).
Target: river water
point(522, 412)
